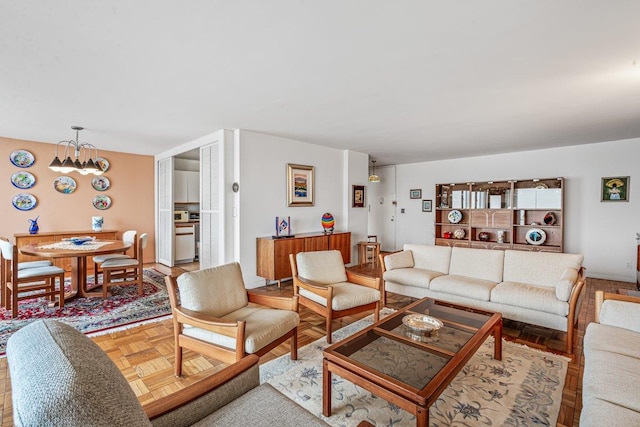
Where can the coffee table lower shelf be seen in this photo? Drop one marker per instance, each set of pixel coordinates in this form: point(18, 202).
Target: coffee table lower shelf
point(337, 360)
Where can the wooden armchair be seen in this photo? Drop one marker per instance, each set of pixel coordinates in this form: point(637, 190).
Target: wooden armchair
point(214, 317)
point(324, 286)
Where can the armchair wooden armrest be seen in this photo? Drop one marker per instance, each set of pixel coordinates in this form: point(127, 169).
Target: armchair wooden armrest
point(209, 323)
point(192, 392)
point(282, 303)
point(360, 279)
point(324, 291)
point(601, 296)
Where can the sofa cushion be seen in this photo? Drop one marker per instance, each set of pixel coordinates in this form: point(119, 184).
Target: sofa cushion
point(538, 298)
point(263, 327)
point(65, 390)
point(612, 339)
point(564, 286)
point(402, 259)
point(599, 412)
point(262, 406)
point(612, 377)
point(323, 267)
point(428, 257)
point(463, 286)
point(411, 276)
point(477, 263)
point(623, 314)
point(201, 290)
point(538, 268)
point(346, 295)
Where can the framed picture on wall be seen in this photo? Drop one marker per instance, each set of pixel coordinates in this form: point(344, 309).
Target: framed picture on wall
point(615, 189)
point(426, 206)
point(358, 196)
point(300, 183)
point(415, 194)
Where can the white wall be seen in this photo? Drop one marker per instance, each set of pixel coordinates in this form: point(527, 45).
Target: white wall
point(604, 232)
point(263, 191)
point(355, 173)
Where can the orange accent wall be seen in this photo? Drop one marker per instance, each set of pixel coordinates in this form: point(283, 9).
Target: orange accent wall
point(131, 193)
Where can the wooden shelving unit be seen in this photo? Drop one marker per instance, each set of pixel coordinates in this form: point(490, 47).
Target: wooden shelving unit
point(515, 214)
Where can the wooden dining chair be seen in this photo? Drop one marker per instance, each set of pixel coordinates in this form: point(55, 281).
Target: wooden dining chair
point(125, 271)
point(27, 283)
point(129, 236)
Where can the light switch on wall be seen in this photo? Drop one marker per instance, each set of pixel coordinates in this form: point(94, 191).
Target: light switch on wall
point(402, 210)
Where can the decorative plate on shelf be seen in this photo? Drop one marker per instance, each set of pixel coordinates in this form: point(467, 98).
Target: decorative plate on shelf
point(101, 202)
point(24, 201)
point(536, 236)
point(102, 164)
point(539, 186)
point(454, 217)
point(23, 180)
point(459, 233)
point(22, 158)
point(65, 184)
point(100, 183)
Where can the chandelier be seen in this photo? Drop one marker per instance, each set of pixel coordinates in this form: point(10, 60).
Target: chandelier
point(373, 177)
point(88, 164)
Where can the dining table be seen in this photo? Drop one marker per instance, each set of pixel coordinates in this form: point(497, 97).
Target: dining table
point(78, 254)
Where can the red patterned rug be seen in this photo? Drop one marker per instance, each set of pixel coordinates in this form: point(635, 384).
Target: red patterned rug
point(89, 315)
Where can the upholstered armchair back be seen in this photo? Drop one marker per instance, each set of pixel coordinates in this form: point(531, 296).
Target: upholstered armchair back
point(323, 267)
point(214, 291)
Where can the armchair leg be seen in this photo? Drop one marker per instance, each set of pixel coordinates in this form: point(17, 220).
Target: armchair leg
point(178, 361)
point(328, 327)
point(294, 344)
point(376, 314)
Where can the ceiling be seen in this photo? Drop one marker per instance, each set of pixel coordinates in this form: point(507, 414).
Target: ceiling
point(406, 81)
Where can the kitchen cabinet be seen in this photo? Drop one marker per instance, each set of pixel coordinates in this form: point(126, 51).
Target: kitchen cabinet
point(272, 254)
point(185, 243)
point(186, 186)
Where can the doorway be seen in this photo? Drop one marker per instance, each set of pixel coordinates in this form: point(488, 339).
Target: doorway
point(382, 208)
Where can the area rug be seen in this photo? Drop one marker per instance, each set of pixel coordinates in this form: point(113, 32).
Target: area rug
point(524, 389)
point(90, 315)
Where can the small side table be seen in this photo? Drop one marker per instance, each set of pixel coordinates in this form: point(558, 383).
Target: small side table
point(363, 247)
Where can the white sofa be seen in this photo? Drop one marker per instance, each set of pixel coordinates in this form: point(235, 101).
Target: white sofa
point(539, 288)
point(612, 363)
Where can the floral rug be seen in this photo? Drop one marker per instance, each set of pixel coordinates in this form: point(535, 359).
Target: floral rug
point(90, 315)
point(524, 389)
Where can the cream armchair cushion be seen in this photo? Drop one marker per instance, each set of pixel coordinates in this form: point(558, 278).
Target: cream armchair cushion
point(201, 291)
point(345, 295)
point(323, 267)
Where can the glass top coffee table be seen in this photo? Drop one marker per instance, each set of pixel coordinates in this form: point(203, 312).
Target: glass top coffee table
point(410, 366)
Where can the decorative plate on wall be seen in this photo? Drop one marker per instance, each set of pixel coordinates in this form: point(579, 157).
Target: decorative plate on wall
point(23, 180)
point(24, 201)
point(536, 236)
point(454, 217)
point(22, 158)
point(100, 183)
point(102, 164)
point(65, 184)
point(101, 202)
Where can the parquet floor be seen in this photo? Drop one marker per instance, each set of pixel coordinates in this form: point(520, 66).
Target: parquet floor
point(144, 354)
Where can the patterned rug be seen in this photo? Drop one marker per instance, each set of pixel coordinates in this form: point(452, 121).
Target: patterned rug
point(90, 315)
point(524, 389)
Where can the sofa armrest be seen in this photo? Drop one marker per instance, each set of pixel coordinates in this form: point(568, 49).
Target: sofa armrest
point(618, 310)
point(193, 403)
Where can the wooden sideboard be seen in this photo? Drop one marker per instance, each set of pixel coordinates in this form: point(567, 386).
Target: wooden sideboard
point(272, 254)
point(23, 239)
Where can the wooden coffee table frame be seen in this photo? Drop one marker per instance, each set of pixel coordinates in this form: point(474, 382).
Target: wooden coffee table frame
point(411, 399)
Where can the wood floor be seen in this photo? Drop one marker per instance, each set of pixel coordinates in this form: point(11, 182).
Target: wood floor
point(144, 354)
